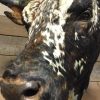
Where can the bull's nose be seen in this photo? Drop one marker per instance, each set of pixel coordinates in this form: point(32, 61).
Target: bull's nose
point(18, 90)
point(10, 73)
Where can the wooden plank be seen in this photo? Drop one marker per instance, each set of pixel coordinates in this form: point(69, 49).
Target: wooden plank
point(7, 27)
point(11, 45)
point(96, 72)
point(98, 58)
point(1, 97)
point(93, 91)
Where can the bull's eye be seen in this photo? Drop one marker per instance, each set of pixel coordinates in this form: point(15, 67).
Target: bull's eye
point(86, 15)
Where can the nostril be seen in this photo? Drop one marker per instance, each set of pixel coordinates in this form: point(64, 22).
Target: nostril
point(9, 73)
point(31, 90)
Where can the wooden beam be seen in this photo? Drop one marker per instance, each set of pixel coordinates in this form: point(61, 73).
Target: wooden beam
point(11, 45)
point(98, 59)
point(1, 97)
point(93, 91)
point(95, 76)
point(7, 27)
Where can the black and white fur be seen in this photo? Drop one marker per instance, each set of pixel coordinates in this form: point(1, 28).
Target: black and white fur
point(69, 47)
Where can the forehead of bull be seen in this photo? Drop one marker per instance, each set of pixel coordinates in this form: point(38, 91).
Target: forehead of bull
point(43, 14)
point(47, 18)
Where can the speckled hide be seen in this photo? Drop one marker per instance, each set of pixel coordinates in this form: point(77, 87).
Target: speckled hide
point(63, 45)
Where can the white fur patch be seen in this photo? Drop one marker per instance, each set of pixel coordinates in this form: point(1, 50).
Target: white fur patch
point(57, 31)
point(76, 36)
point(64, 5)
point(81, 69)
point(72, 95)
point(27, 13)
point(95, 15)
point(56, 9)
point(59, 34)
point(95, 12)
point(79, 64)
point(76, 65)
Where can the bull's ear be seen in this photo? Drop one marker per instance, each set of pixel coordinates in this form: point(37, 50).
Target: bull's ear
point(16, 6)
point(15, 16)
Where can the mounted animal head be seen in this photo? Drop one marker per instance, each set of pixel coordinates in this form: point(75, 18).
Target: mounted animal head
point(64, 43)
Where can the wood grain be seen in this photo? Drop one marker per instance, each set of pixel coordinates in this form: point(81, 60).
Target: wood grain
point(11, 45)
point(98, 58)
point(7, 27)
point(93, 91)
point(95, 76)
point(1, 97)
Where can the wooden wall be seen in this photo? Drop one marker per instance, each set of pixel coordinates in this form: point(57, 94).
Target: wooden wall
point(12, 40)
